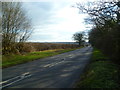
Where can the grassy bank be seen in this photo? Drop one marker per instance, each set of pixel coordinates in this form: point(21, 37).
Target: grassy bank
point(11, 60)
point(101, 73)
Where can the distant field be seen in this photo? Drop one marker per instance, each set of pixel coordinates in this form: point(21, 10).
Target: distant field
point(11, 60)
point(30, 47)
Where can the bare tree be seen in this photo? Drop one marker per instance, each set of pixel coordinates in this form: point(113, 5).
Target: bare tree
point(16, 26)
point(100, 12)
point(78, 37)
point(105, 34)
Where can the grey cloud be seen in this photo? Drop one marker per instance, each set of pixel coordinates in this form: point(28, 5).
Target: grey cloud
point(43, 16)
point(40, 12)
point(45, 5)
point(44, 12)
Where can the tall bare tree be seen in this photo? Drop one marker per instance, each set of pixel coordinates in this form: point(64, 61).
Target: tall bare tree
point(16, 26)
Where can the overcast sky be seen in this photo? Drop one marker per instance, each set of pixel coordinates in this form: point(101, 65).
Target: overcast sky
point(54, 21)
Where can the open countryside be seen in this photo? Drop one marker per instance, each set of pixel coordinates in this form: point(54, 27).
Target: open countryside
point(64, 44)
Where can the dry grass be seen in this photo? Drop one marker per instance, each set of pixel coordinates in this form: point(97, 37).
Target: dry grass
point(30, 47)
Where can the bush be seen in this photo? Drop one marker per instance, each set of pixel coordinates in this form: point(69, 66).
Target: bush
point(25, 48)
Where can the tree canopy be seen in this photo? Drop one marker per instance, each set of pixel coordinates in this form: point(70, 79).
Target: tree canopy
point(105, 33)
point(78, 37)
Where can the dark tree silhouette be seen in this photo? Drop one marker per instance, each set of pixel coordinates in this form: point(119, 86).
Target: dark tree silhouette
point(105, 34)
point(78, 37)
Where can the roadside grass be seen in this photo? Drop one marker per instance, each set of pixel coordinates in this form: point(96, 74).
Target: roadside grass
point(101, 73)
point(98, 56)
point(11, 60)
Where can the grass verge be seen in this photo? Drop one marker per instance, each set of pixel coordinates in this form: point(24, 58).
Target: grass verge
point(101, 73)
point(11, 60)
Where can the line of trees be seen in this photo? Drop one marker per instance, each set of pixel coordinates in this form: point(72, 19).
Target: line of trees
point(16, 27)
point(105, 33)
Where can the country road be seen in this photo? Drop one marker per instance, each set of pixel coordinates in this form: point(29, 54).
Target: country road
point(60, 71)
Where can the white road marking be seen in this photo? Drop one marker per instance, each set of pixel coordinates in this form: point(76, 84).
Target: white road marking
point(23, 76)
point(9, 80)
point(53, 64)
point(47, 65)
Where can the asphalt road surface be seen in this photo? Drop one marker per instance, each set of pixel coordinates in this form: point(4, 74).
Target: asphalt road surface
point(60, 71)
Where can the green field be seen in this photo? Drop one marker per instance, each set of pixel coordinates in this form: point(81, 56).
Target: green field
point(11, 60)
point(100, 73)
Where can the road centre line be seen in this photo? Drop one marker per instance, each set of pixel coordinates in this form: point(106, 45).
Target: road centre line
point(53, 64)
